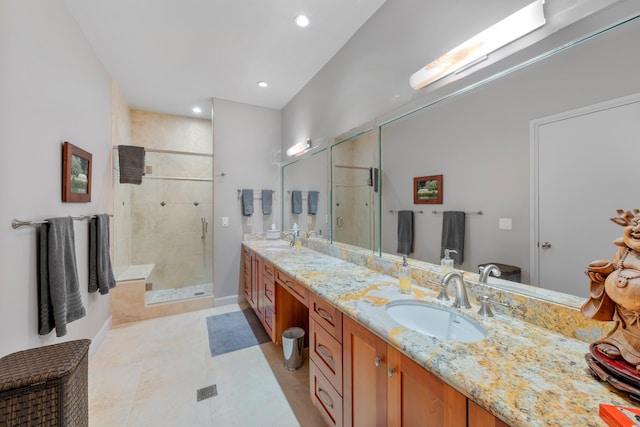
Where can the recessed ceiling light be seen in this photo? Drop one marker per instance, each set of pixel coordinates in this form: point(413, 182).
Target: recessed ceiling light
point(263, 84)
point(197, 110)
point(302, 21)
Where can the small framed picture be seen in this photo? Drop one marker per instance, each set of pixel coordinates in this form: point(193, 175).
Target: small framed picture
point(427, 190)
point(76, 174)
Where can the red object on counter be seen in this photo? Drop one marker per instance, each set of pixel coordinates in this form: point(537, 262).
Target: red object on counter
point(620, 416)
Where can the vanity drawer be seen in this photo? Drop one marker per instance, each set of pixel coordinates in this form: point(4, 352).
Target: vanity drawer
point(325, 398)
point(326, 315)
point(269, 320)
point(270, 290)
point(326, 352)
point(295, 288)
point(267, 270)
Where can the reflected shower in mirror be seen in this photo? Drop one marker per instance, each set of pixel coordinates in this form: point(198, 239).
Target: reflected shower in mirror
point(306, 175)
point(355, 191)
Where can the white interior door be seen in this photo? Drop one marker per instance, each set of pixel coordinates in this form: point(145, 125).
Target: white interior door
point(587, 167)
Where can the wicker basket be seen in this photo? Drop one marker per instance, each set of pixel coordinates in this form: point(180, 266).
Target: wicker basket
point(45, 386)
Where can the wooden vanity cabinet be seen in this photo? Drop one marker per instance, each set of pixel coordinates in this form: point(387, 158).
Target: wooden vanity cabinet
point(384, 387)
point(325, 356)
point(250, 285)
point(267, 298)
point(479, 417)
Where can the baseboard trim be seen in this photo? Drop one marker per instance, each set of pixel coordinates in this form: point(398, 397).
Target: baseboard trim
point(96, 342)
point(220, 301)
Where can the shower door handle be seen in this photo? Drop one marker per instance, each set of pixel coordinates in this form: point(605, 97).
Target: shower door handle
point(205, 228)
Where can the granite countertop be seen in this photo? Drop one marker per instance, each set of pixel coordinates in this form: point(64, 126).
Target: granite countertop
point(524, 374)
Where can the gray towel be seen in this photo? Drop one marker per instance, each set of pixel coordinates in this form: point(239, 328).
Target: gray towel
point(296, 202)
point(405, 232)
point(247, 202)
point(59, 290)
point(131, 163)
point(313, 202)
point(453, 234)
point(267, 198)
point(100, 271)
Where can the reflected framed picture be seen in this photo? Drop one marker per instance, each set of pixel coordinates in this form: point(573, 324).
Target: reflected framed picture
point(427, 190)
point(76, 174)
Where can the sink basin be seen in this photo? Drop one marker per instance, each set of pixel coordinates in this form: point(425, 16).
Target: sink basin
point(435, 321)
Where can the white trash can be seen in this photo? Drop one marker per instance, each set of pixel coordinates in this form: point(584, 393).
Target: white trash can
point(292, 346)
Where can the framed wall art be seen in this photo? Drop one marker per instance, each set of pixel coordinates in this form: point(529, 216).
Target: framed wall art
point(427, 190)
point(76, 174)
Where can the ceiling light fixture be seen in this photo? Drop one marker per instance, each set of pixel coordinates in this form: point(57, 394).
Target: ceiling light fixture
point(477, 48)
point(302, 21)
point(263, 84)
point(299, 148)
point(197, 110)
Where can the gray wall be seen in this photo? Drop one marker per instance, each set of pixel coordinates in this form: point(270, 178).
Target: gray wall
point(246, 148)
point(53, 90)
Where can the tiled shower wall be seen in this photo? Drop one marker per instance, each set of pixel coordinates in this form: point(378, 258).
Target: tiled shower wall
point(166, 211)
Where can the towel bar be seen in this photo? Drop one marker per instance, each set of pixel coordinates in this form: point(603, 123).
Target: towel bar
point(468, 213)
point(16, 223)
point(392, 211)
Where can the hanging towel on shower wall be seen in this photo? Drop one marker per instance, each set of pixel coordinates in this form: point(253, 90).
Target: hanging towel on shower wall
point(247, 202)
point(313, 202)
point(267, 196)
point(453, 234)
point(296, 202)
point(131, 163)
point(100, 271)
point(58, 286)
point(405, 232)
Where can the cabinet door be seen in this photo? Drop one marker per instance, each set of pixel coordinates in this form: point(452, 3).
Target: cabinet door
point(365, 376)
point(478, 417)
point(419, 398)
point(246, 267)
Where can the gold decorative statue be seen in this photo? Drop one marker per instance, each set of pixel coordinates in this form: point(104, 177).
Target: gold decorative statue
point(615, 292)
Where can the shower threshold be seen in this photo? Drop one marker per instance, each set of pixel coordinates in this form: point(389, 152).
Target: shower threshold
point(176, 294)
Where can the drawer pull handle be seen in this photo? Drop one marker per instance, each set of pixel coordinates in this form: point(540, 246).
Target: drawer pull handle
point(268, 293)
point(324, 352)
point(324, 314)
point(391, 371)
point(325, 398)
point(377, 361)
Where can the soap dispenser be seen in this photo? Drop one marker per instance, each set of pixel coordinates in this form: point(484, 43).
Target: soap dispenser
point(447, 262)
point(405, 276)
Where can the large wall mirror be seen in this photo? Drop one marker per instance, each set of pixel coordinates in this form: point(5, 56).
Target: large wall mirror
point(489, 145)
point(304, 175)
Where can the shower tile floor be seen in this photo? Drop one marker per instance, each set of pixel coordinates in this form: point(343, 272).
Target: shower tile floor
point(148, 373)
point(176, 294)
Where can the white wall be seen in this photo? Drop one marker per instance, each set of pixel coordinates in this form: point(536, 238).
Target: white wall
point(53, 90)
point(246, 144)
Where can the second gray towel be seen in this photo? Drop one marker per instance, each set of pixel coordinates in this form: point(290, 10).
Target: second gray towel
point(100, 271)
point(313, 202)
point(131, 163)
point(247, 202)
point(267, 198)
point(453, 234)
point(405, 232)
point(58, 287)
point(296, 202)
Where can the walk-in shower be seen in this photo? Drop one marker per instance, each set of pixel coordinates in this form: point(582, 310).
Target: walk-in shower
point(162, 227)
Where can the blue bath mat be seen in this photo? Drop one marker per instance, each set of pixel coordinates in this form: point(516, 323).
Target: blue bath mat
point(234, 331)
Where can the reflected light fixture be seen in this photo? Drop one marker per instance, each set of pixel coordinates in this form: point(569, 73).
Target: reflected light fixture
point(197, 110)
point(299, 148)
point(478, 47)
point(262, 84)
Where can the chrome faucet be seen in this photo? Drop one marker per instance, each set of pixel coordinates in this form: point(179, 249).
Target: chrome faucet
point(461, 300)
point(310, 233)
point(292, 241)
point(486, 270)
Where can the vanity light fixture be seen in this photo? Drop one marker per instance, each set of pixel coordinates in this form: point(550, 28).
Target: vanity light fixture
point(197, 110)
point(299, 148)
point(302, 21)
point(262, 84)
point(478, 47)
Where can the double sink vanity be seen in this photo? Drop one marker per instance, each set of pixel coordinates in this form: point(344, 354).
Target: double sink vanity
point(380, 357)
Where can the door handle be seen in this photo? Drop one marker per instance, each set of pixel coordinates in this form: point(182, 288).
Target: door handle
point(545, 245)
point(339, 221)
point(204, 228)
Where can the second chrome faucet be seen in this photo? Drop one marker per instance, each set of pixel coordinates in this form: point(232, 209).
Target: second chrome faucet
point(461, 300)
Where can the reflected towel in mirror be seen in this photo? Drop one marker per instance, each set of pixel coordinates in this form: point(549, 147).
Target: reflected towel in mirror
point(247, 202)
point(313, 202)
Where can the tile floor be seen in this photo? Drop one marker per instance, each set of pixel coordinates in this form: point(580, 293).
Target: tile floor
point(147, 374)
